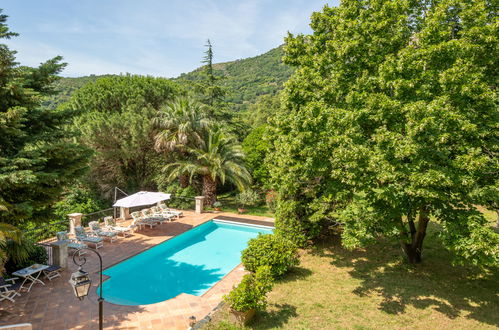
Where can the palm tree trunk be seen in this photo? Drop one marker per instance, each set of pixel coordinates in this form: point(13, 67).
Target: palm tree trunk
point(209, 190)
point(183, 180)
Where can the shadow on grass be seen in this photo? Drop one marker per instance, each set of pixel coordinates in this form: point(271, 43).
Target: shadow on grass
point(295, 274)
point(276, 316)
point(465, 291)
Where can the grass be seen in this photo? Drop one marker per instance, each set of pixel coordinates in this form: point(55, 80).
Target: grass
point(374, 288)
point(230, 205)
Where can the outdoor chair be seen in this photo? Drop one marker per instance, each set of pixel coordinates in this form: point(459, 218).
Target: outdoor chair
point(149, 218)
point(52, 272)
point(110, 223)
point(98, 231)
point(83, 237)
point(72, 244)
point(9, 290)
point(165, 209)
point(141, 221)
point(158, 212)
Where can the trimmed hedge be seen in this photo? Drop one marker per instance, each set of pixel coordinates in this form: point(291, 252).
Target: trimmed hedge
point(251, 293)
point(271, 250)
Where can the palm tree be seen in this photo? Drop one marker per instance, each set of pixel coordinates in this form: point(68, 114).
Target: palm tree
point(181, 125)
point(219, 158)
point(8, 232)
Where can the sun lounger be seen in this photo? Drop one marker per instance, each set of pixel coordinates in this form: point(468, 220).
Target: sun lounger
point(125, 231)
point(141, 221)
point(98, 231)
point(72, 244)
point(158, 212)
point(83, 237)
point(148, 216)
point(164, 208)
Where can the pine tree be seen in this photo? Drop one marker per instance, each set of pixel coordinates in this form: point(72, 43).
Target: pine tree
point(37, 158)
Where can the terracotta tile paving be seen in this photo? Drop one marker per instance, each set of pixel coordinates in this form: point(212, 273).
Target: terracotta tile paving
point(54, 305)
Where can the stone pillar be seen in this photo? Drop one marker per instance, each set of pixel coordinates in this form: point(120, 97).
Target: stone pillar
point(124, 213)
point(74, 221)
point(60, 253)
point(199, 204)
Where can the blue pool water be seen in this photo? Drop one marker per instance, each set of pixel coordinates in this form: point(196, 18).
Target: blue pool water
point(191, 263)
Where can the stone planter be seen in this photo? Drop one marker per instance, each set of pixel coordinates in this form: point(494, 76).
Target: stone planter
point(218, 209)
point(241, 210)
point(241, 317)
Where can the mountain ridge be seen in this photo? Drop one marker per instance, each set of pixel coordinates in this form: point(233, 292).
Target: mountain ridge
point(243, 79)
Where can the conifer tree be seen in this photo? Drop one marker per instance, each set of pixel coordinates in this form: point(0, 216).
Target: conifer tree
point(37, 158)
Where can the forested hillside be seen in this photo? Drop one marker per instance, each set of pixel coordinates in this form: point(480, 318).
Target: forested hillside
point(243, 80)
point(247, 79)
point(66, 87)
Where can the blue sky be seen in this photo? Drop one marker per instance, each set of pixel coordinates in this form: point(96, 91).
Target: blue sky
point(150, 37)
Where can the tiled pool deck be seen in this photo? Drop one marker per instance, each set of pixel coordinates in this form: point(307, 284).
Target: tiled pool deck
point(54, 305)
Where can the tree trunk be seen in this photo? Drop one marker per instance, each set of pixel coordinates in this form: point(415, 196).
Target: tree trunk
point(414, 249)
point(209, 190)
point(183, 180)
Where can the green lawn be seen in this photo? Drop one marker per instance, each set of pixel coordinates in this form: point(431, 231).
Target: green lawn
point(229, 205)
point(375, 288)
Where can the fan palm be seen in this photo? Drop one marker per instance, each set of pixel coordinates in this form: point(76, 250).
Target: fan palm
point(181, 124)
point(218, 159)
point(7, 232)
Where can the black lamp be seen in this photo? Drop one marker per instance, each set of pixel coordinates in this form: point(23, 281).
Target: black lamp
point(80, 281)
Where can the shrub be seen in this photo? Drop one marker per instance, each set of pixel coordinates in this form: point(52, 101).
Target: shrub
point(35, 254)
point(270, 250)
point(248, 198)
point(271, 200)
point(251, 293)
point(217, 204)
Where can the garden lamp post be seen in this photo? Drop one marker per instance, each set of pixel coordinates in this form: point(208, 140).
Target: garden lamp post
point(80, 281)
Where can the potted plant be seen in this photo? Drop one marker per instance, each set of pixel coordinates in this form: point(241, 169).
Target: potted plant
point(250, 295)
point(247, 198)
point(217, 206)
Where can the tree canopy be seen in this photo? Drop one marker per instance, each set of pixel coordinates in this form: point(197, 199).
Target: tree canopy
point(37, 156)
point(391, 121)
point(116, 120)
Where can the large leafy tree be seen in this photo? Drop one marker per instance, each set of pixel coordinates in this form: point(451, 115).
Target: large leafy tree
point(37, 157)
point(391, 121)
point(116, 120)
point(218, 159)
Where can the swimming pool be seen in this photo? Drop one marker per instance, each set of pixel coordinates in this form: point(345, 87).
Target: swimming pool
point(191, 262)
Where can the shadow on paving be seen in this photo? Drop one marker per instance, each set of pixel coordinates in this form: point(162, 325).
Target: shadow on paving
point(454, 290)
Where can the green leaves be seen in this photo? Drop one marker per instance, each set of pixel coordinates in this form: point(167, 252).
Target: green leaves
point(390, 111)
point(116, 121)
point(37, 156)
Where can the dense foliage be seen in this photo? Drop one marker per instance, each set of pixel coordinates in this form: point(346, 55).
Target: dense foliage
point(116, 120)
point(37, 156)
point(245, 80)
point(274, 251)
point(391, 120)
point(217, 159)
point(251, 293)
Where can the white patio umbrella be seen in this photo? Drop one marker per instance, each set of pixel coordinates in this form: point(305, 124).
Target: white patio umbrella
point(142, 198)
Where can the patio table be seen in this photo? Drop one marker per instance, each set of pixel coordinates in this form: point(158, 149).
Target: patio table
point(30, 275)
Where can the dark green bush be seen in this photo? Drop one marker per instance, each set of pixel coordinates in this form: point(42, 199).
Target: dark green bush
point(35, 254)
point(251, 293)
point(270, 250)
